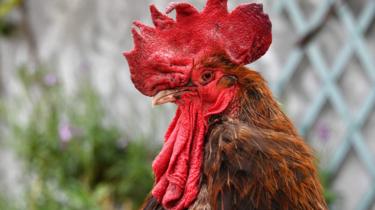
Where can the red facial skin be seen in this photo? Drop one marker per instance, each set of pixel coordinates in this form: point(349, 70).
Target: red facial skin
point(206, 80)
point(206, 84)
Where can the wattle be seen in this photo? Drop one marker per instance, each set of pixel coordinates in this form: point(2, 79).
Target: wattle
point(177, 168)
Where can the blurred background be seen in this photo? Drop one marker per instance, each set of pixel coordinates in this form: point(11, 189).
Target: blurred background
point(75, 134)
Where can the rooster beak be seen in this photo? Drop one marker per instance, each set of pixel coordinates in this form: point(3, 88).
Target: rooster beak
point(163, 97)
point(168, 96)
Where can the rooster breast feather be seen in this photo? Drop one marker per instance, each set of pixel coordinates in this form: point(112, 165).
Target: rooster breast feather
point(259, 169)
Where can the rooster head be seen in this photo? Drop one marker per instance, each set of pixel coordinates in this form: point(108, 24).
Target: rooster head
point(189, 61)
point(168, 59)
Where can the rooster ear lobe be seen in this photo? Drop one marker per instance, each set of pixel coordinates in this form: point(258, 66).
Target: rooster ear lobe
point(216, 5)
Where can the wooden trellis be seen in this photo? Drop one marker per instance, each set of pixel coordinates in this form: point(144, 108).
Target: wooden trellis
point(355, 45)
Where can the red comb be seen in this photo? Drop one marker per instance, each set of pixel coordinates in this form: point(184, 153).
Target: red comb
point(243, 35)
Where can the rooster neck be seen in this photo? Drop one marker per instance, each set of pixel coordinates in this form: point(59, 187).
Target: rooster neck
point(257, 106)
point(254, 105)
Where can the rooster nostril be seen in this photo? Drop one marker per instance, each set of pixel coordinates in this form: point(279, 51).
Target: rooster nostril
point(190, 83)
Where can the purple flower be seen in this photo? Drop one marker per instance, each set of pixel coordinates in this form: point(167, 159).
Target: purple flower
point(65, 132)
point(50, 79)
point(323, 132)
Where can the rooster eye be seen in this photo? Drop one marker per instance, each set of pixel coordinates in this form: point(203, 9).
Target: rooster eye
point(207, 77)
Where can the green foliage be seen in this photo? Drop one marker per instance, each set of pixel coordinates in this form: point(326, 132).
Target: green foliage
point(325, 180)
point(5, 202)
point(7, 6)
point(80, 160)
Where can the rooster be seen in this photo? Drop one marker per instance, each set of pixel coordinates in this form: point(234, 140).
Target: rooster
point(229, 145)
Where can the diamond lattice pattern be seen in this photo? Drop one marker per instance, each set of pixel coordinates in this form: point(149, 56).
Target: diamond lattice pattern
point(335, 39)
